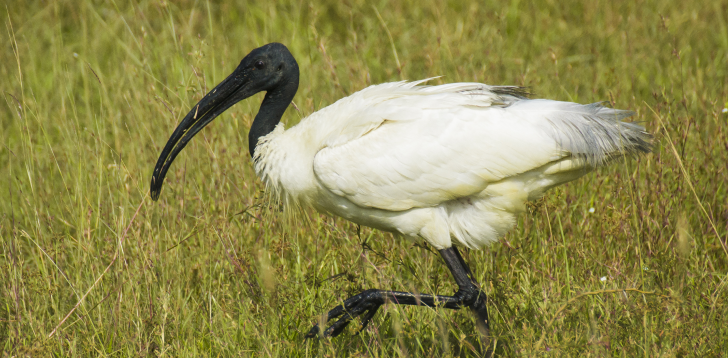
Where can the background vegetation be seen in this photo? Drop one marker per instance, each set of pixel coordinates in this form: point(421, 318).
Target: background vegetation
point(92, 89)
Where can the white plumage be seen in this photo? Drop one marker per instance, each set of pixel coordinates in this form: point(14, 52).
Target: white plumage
point(455, 161)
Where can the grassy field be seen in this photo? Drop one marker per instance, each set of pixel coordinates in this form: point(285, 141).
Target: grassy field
point(627, 261)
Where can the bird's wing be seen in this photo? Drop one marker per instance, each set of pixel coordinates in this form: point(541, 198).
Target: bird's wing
point(440, 156)
point(420, 149)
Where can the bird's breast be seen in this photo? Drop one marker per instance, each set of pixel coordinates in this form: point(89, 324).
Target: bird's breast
point(284, 162)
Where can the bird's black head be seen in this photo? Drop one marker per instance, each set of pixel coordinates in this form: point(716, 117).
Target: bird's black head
point(267, 67)
point(270, 68)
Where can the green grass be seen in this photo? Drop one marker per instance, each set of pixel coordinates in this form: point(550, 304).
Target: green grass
point(93, 89)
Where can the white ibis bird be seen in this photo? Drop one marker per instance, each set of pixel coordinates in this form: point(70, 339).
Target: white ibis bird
point(451, 164)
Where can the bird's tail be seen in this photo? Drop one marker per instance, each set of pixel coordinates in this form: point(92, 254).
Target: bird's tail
point(590, 132)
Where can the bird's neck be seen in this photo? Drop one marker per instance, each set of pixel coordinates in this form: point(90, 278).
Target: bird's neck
point(271, 110)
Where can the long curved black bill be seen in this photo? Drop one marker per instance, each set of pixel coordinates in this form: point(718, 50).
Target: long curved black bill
point(230, 91)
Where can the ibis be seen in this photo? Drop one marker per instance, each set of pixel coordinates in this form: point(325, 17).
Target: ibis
point(452, 165)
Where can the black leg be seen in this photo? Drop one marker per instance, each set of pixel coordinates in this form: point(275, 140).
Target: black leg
point(368, 302)
point(479, 306)
point(463, 264)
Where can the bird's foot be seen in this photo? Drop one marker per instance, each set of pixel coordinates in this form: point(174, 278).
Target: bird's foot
point(367, 303)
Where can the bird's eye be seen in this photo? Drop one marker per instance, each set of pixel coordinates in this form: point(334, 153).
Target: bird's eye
point(280, 67)
point(259, 65)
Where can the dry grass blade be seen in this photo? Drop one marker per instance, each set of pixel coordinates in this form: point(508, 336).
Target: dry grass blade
point(689, 181)
point(116, 255)
point(574, 299)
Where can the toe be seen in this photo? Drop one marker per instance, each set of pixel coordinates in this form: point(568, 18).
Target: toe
point(313, 332)
point(368, 318)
